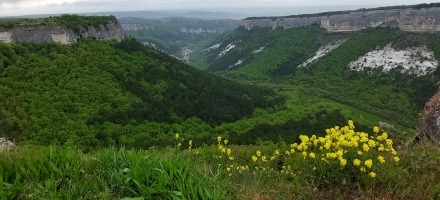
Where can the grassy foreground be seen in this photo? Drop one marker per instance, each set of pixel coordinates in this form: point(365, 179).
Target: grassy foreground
point(340, 163)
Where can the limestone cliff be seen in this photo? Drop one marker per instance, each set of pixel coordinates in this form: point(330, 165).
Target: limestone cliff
point(111, 30)
point(418, 20)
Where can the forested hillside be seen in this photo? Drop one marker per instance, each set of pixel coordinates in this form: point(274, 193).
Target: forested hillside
point(280, 55)
point(97, 93)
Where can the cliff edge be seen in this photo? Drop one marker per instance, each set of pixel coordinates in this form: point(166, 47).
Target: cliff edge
point(65, 29)
point(411, 19)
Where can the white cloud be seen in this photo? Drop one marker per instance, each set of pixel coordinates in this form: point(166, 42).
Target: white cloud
point(31, 3)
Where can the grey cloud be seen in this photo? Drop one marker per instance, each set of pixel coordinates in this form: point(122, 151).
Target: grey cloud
point(126, 5)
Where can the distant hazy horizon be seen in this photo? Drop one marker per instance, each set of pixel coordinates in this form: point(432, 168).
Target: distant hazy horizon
point(248, 7)
point(233, 13)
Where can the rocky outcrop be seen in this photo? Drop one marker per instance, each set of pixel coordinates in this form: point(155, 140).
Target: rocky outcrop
point(6, 144)
point(430, 125)
point(419, 20)
point(198, 30)
point(61, 34)
point(135, 27)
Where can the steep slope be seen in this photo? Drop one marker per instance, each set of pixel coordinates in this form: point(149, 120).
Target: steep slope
point(98, 93)
point(384, 71)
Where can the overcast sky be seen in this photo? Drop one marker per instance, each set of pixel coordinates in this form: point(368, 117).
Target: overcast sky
point(28, 7)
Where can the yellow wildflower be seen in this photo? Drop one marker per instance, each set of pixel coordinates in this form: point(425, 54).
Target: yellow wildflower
point(368, 163)
point(263, 158)
point(364, 138)
point(228, 151)
point(363, 169)
point(327, 131)
point(254, 158)
point(342, 161)
point(372, 175)
point(397, 159)
point(312, 155)
point(384, 136)
point(340, 153)
point(228, 169)
point(304, 153)
point(356, 162)
point(304, 138)
point(226, 142)
point(366, 148)
point(376, 129)
point(327, 145)
point(393, 152)
point(176, 136)
point(350, 124)
point(258, 153)
point(389, 142)
point(381, 148)
point(371, 143)
point(331, 155)
point(381, 159)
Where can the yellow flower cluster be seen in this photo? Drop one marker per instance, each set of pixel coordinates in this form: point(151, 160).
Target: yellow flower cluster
point(341, 149)
point(227, 152)
point(342, 145)
point(287, 170)
point(240, 169)
point(259, 156)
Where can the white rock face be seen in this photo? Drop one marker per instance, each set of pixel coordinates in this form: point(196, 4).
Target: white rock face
point(259, 50)
point(60, 37)
point(227, 48)
point(213, 47)
point(416, 60)
point(237, 63)
point(5, 36)
point(324, 50)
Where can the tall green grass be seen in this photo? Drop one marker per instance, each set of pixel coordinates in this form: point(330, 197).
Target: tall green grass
point(32, 172)
point(66, 173)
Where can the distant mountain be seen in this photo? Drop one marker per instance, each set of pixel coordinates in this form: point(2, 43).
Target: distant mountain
point(207, 15)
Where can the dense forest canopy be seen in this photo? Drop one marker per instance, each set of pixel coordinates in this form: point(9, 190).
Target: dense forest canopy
point(85, 93)
point(69, 21)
